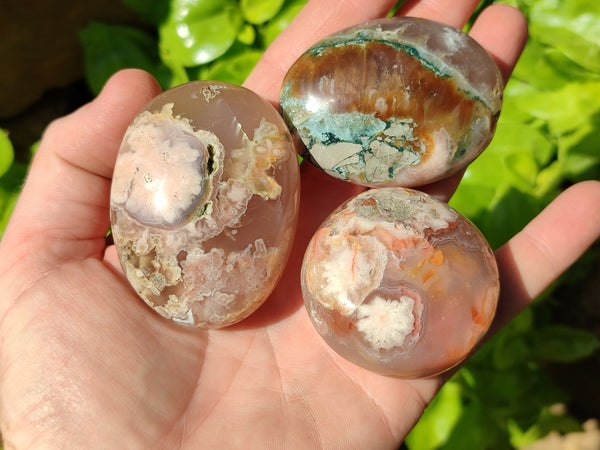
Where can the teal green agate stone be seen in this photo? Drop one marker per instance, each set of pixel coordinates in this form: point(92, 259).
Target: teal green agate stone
point(394, 102)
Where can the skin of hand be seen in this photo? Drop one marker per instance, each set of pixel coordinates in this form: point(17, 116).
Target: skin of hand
point(83, 361)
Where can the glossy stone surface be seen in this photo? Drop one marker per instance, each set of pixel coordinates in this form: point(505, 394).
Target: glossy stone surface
point(400, 283)
point(204, 202)
point(394, 102)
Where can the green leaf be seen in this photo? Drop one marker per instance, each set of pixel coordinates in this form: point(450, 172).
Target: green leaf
point(564, 109)
point(179, 74)
point(570, 26)
point(501, 351)
point(512, 111)
point(247, 34)
point(579, 151)
point(580, 50)
point(110, 48)
point(522, 169)
point(501, 388)
point(550, 181)
point(34, 148)
point(7, 154)
point(510, 211)
point(546, 67)
point(487, 170)
point(522, 322)
point(509, 350)
point(473, 200)
point(199, 31)
point(476, 429)
point(498, 191)
point(547, 421)
point(10, 188)
point(233, 69)
point(519, 392)
point(568, 69)
point(260, 11)
point(512, 162)
point(275, 26)
point(440, 417)
point(560, 343)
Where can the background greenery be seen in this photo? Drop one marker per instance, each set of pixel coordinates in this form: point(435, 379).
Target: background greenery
point(548, 137)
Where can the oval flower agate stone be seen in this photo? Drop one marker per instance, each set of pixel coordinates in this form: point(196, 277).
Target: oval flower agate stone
point(204, 202)
point(400, 283)
point(394, 102)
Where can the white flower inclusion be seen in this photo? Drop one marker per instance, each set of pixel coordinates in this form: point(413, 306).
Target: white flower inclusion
point(161, 175)
point(386, 323)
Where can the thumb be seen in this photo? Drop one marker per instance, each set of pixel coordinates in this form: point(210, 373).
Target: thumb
point(63, 211)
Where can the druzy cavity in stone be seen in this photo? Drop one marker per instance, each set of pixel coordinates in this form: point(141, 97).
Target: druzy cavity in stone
point(394, 102)
point(400, 283)
point(204, 202)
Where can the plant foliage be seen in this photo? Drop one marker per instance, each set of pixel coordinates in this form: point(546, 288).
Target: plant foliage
point(12, 175)
point(183, 40)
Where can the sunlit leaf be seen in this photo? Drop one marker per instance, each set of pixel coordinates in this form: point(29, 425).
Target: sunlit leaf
point(179, 74)
point(550, 179)
point(475, 429)
point(199, 31)
point(487, 169)
point(522, 170)
point(519, 138)
point(233, 69)
point(512, 111)
point(510, 211)
point(571, 26)
point(473, 201)
point(247, 34)
point(6, 152)
point(564, 109)
point(579, 151)
point(275, 26)
point(580, 50)
point(546, 422)
point(498, 190)
point(10, 188)
point(260, 11)
point(34, 148)
point(440, 417)
point(568, 68)
point(552, 68)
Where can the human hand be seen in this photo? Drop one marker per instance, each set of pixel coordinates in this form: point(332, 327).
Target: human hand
point(83, 361)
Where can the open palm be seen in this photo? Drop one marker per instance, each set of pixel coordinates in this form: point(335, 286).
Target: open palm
point(83, 361)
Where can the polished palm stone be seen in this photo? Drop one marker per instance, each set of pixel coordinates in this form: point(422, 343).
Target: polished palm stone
point(394, 102)
point(204, 202)
point(400, 283)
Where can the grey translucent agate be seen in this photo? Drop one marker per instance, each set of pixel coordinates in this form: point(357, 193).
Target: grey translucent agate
point(204, 203)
